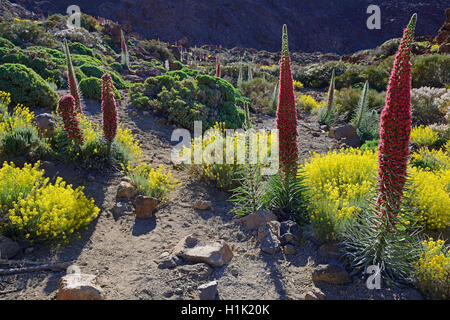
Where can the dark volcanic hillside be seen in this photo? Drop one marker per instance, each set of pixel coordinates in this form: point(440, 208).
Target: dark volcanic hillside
point(316, 25)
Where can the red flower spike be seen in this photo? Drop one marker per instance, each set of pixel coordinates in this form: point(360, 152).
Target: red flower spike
point(109, 108)
point(287, 113)
point(395, 130)
point(66, 108)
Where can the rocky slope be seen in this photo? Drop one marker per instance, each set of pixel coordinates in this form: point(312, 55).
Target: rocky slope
point(320, 25)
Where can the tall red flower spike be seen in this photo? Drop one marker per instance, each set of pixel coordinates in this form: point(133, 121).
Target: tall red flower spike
point(66, 108)
point(287, 113)
point(218, 74)
point(72, 80)
point(395, 130)
point(109, 108)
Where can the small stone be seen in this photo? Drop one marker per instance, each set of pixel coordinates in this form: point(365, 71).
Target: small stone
point(270, 244)
point(260, 120)
point(202, 205)
point(271, 227)
point(119, 209)
point(289, 249)
point(331, 273)
point(179, 291)
point(91, 178)
point(253, 221)
point(169, 262)
point(134, 114)
point(316, 134)
point(145, 206)
point(208, 291)
point(146, 113)
point(126, 190)
point(29, 250)
point(216, 253)
point(77, 286)
point(195, 272)
point(168, 294)
point(46, 124)
point(315, 294)
point(290, 232)
point(8, 248)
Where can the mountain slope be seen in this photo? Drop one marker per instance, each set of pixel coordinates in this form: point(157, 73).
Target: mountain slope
point(315, 25)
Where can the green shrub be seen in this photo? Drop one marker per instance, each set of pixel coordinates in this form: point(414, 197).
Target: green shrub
point(117, 67)
point(156, 49)
point(429, 105)
point(259, 91)
point(79, 48)
point(5, 43)
point(42, 64)
point(204, 98)
point(92, 88)
point(370, 145)
point(97, 72)
point(347, 101)
point(318, 75)
point(25, 31)
point(26, 86)
point(431, 71)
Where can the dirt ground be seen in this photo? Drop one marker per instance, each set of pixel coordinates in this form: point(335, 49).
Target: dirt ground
point(123, 252)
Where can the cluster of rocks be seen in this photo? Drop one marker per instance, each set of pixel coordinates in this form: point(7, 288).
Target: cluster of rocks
point(272, 235)
point(144, 206)
point(345, 133)
point(200, 255)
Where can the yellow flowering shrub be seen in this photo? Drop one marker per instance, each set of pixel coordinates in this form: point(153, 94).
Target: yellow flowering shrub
point(337, 183)
point(307, 103)
point(432, 271)
point(20, 117)
point(433, 160)
point(424, 136)
point(52, 212)
point(428, 195)
point(223, 174)
point(5, 100)
point(16, 183)
point(128, 141)
point(156, 183)
point(298, 85)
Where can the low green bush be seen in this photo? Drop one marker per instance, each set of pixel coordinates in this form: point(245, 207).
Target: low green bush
point(92, 88)
point(79, 48)
point(97, 72)
point(347, 101)
point(431, 71)
point(186, 99)
point(26, 86)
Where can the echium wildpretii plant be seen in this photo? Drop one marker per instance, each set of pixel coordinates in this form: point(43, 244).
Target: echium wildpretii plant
point(379, 237)
point(241, 74)
point(327, 114)
point(287, 114)
point(66, 108)
point(109, 109)
point(395, 129)
point(125, 57)
point(72, 80)
point(218, 71)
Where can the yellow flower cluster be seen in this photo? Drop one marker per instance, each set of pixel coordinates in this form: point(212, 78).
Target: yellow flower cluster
point(424, 136)
point(156, 183)
point(5, 100)
point(16, 183)
point(428, 193)
point(337, 183)
point(53, 211)
point(21, 117)
point(433, 160)
point(225, 174)
point(308, 103)
point(126, 138)
point(298, 85)
point(432, 271)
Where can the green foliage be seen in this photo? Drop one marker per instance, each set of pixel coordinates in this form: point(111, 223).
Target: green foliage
point(97, 72)
point(347, 100)
point(117, 67)
point(22, 140)
point(26, 31)
point(318, 75)
point(26, 86)
point(285, 195)
point(185, 99)
point(259, 91)
point(431, 71)
point(371, 145)
point(247, 196)
point(92, 88)
point(79, 48)
point(156, 49)
point(366, 121)
point(5, 43)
